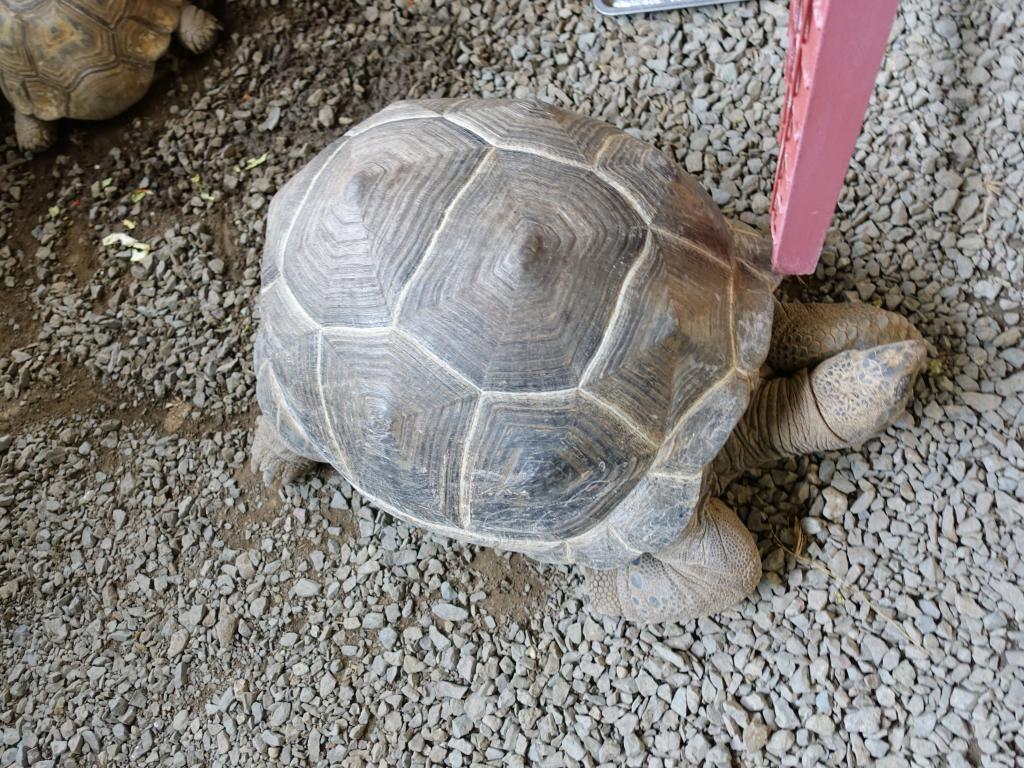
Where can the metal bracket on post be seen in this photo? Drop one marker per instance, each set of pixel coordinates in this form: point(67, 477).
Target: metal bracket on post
point(622, 7)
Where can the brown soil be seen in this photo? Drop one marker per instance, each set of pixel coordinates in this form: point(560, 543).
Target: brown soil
point(514, 592)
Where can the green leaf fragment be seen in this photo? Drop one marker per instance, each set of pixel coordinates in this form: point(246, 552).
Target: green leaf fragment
point(253, 162)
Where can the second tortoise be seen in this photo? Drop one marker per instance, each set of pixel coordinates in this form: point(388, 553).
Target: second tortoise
point(87, 59)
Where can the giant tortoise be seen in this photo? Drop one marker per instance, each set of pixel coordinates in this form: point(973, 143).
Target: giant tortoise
point(523, 328)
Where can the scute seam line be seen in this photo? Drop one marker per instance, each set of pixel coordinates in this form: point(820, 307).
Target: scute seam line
point(465, 512)
point(534, 151)
point(623, 417)
point(620, 299)
point(432, 243)
point(423, 348)
point(346, 470)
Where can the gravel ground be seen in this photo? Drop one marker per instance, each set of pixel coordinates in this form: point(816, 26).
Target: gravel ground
point(159, 608)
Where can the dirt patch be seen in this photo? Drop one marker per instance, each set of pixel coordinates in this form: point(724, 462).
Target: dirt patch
point(174, 418)
point(226, 247)
point(17, 326)
point(78, 253)
point(514, 593)
point(74, 392)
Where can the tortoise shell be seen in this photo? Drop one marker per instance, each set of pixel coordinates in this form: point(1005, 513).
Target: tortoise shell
point(510, 324)
point(85, 59)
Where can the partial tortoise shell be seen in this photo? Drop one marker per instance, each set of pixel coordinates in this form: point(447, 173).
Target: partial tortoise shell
point(84, 59)
point(510, 324)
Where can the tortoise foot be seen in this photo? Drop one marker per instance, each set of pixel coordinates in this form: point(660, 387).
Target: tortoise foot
point(34, 135)
point(274, 460)
point(197, 29)
point(711, 566)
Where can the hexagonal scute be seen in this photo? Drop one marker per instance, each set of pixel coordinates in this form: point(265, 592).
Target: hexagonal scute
point(532, 126)
point(370, 215)
point(275, 405)
point(14, 89)
point(400, 420)
point(656, 511)
point(671, 339)
point(701, 433)
point(288, 342)
point(524, 275)
point(667, 196)
point(48, 101)
point(66, 43)
point(548, 467)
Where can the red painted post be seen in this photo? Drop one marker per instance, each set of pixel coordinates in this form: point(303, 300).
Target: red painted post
point(835, 49)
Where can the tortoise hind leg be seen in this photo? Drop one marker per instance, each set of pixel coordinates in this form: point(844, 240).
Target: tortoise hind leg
point(273, 459)
point(843, 401)
point(197, 29)
point(712, 565)
point(34, 135)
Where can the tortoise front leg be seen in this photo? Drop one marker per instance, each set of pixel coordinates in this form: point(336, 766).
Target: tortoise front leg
point(845, 400)
point(197, 29)
point(34, 135)
point(804, 335)
point(712, 565)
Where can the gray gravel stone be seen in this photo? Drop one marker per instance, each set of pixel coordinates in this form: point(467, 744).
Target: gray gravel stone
point(450, 612)
point(867, 720)
point(306, 588)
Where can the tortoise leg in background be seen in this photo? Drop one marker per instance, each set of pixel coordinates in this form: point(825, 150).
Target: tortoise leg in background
point(805, 334)
point(197, 29)
point(34, 135)
point(273, 459)
point(713, 564)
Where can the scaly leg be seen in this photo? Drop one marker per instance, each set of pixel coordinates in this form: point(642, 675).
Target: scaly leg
point(712, 565)
point(804, 335)
point(34, 135)
point(272, 458)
